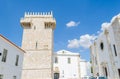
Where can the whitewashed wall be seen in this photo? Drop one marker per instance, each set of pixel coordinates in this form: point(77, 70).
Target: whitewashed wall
point(106, 57)
point(8, 69)
point(66, 70)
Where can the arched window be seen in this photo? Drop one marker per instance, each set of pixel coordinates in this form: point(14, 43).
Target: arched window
point(101, 45)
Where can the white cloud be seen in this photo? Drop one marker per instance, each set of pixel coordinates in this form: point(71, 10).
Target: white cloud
point(85, 41)
point(72, 24)
point(73, 43)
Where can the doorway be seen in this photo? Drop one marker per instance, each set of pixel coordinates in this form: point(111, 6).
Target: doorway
point(56, 75)
point(119, 72)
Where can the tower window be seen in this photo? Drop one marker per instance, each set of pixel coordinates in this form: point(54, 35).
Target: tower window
point(47, 25)
point(4, 57)
point(36, 45)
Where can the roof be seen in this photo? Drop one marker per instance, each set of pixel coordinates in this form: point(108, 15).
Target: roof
point(11, 43)
point(83, 60)
point(65, 52)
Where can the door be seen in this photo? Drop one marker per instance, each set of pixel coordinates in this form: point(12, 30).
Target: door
point(56, 75)
point(119, 72)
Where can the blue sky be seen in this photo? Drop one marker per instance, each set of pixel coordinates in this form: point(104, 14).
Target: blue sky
point(75, 19)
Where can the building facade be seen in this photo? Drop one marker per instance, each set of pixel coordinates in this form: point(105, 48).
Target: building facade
point(38, 43)
point(85, 68)
point(105, 51)
point(66, 65)
point(11, 59)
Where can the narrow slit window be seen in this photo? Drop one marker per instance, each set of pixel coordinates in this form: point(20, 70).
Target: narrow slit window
point(4, 57)
point(56, 59)
point(17, 60)
point(36, 45)
point(115, 49)
point(69, 60)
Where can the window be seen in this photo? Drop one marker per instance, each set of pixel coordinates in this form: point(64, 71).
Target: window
point(115, 49)
point(4, 55)
point(36, 45)
point(62, 71)
point(63, 51)
point(1, 76)
point(119, 72)
point(17, 59)
point(101, 45)
point(69, 60)
point(106, 73)
point(47, 25)
point(56, 60)
point(14, 77)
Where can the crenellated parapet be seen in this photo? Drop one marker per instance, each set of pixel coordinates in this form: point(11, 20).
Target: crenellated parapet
point(38, 14)
point(34, 18)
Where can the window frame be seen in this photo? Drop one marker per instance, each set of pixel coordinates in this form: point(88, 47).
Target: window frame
point(4, 56)
point(69, 60)
point(1, 76)
point(56, 59)
point(17, 60)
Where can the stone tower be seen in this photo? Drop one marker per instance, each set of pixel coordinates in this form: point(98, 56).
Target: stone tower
point(38, 43)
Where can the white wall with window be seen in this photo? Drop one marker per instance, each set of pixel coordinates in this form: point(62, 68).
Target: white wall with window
point(66, 65)
point(11, 58)
point(105, 51)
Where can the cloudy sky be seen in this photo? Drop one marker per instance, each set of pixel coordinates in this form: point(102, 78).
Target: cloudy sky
point(78, 21)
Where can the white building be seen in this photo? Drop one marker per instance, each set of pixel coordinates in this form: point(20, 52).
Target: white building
point(11, 58)
point(105, 51)
point(66, 65)
point(85, 68)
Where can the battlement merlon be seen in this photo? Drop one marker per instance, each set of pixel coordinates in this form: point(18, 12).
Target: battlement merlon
point(38, 14)
point(47, 16)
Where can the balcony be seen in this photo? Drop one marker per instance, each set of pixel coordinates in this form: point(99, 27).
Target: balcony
point(25, 22)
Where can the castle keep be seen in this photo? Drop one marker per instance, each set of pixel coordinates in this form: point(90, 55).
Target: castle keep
point(38, 43)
